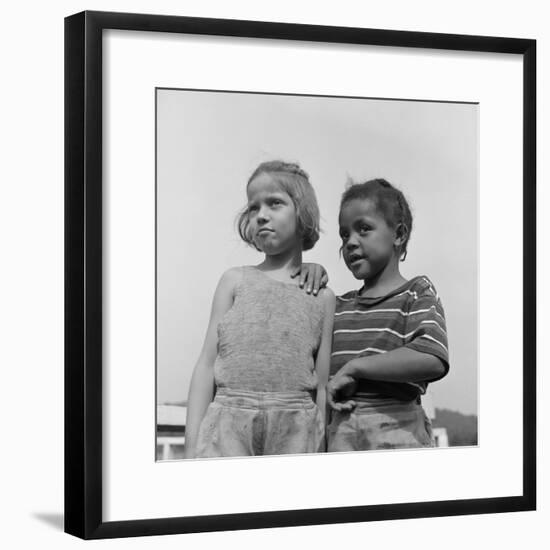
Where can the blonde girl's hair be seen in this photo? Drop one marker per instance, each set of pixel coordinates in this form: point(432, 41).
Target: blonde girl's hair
point(294, 182)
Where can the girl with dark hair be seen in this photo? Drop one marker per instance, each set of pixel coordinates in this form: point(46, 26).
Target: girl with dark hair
point(389, 337)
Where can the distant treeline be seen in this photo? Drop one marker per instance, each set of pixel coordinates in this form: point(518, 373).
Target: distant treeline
point(461, 428)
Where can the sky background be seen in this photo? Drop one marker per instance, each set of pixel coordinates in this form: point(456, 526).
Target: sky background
point(208, 144)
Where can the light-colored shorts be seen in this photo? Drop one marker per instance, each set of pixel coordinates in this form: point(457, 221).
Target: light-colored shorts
point(245, 423)
point(379, 426)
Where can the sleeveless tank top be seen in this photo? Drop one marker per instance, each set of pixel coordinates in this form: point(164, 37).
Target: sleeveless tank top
point(268, 339)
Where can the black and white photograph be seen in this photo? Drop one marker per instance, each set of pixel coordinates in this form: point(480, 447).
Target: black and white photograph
point(316, 274)
point(287, 276)
point(275, 275)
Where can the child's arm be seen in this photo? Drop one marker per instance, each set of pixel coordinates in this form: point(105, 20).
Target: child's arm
point(399, 365)
point(322, 361)
point(201, 390)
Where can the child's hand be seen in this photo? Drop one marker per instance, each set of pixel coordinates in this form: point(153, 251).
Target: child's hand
point(339, 389)
point(312, 276)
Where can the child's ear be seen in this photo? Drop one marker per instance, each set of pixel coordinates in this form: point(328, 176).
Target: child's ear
point(401, 234)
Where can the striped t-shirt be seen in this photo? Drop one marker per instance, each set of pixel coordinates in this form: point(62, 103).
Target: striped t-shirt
point(411, 316)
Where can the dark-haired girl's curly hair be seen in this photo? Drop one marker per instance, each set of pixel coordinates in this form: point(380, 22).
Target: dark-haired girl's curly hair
point(389, 201)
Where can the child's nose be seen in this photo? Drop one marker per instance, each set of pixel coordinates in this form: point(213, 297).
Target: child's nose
point(351, 243)
point(262, 214)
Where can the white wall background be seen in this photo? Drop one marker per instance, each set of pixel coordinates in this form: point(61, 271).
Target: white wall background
point(31, 219)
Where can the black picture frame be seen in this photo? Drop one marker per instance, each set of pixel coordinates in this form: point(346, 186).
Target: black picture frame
point(83, 273)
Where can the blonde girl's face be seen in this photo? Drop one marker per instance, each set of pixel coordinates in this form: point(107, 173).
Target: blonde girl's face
point(271, 215)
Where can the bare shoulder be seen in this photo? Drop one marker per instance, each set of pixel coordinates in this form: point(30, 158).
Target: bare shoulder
point(326, 294)
point(230, 278)
point(233, 273)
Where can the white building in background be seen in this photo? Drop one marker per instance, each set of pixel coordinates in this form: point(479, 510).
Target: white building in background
point(171, 431)
point(440, 434)
point(440, 437)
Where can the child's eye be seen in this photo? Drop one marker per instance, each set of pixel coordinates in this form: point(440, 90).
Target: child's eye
point(276, 202)
point(364, 229)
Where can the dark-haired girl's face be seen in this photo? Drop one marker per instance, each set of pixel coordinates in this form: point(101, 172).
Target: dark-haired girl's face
point(368, 242)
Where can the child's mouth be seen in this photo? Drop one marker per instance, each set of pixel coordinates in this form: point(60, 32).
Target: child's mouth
point(354, 260)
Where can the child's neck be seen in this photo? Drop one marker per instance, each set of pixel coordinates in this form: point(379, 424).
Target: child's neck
point(385, 282)
point(282, 265)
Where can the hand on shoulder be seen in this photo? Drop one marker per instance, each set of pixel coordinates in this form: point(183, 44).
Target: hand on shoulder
point(313, 277)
